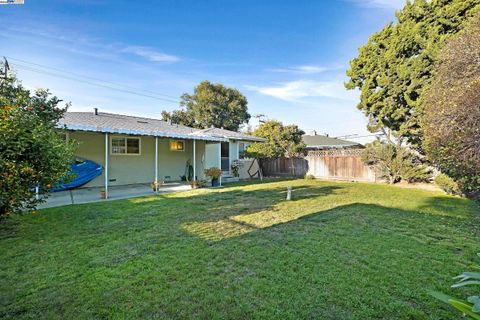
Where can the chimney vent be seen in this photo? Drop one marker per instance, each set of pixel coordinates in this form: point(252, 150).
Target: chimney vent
point(313, 133)
point(95, 110)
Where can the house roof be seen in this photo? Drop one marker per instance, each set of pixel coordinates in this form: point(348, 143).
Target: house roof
point(324, 142)
point(222, 133)
point(117, 123)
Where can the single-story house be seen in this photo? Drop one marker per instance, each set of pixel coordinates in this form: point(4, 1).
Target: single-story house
point(315, 141)
point(135, 150)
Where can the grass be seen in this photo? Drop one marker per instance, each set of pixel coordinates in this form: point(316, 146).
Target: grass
point(337, 251)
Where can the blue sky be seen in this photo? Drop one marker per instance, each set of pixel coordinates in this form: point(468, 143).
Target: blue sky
point(287, 57)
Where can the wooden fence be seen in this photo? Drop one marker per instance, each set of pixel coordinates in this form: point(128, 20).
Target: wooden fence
point(339, 164)
point(327, 164)
point(284, 167)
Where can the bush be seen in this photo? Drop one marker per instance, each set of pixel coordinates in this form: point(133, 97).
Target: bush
point(447, 184)
point(213, 173)
point(414, 172)
point(395, 162)
point(452, 112)
point(309, 177)
point(32, 151)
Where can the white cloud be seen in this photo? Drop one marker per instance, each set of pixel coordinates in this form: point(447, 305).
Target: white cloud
point(304, 69)
point(296, 90)
point(151, 54)
point(385, 4)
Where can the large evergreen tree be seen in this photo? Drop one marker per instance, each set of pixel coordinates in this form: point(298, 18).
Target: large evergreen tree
point(396, 65)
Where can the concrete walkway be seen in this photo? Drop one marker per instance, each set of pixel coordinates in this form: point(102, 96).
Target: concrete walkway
point(88, 195)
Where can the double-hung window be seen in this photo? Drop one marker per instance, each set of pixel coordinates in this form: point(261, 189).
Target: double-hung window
point(124, 145)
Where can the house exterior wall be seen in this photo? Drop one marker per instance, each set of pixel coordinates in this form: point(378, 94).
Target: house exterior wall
point(130, 169)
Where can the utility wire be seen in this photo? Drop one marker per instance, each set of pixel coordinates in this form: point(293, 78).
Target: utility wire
point(98, 82)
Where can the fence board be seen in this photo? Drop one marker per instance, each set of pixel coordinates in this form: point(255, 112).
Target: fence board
point(330, 164)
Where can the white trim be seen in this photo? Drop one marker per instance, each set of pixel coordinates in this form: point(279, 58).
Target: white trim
point(156, 164)
point(194, 161)
point(106, 165)
point(125, 138)
point(191, 136)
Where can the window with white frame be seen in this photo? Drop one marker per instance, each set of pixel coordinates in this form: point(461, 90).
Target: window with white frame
point(242, 148)
point(124, 145)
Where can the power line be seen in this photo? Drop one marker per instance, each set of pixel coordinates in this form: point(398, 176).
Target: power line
point(91, 78)
point(98, 82)
point(355, 136)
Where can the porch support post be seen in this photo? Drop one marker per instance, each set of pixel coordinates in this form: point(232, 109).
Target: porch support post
point(156, 164)
point(220, 162)
point(194, 161)
point(106, 165)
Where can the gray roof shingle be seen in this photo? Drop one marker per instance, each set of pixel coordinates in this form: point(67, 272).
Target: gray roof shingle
point(117, 123)
point(324, 142)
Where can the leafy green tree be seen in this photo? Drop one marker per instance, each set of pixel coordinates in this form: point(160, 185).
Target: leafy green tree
point(282, 141)
point(211, 105)
point(451, 120)
point(180, 117)
point(32, 151)
point(396, 65)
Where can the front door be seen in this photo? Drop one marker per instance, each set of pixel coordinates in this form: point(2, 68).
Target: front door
point(225, 155)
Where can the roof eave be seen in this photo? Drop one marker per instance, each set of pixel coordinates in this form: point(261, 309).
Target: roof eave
point(78, 127)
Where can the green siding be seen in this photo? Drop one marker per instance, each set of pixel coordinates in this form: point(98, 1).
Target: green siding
point(130, 169)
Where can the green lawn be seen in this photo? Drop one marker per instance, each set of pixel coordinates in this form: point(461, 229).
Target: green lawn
point(337, 251)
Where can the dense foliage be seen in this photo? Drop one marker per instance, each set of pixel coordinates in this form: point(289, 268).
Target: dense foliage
point(447, 184)
point(32, 151)
point(395, 162)
point(452, 111)
point(211, 105)
point(282, 141)
point(393, 69)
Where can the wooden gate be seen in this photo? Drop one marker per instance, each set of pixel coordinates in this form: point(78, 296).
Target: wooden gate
point(339, 164)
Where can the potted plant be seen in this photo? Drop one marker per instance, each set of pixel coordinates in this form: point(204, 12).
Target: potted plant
point(155, 185)
point(235, 166)
point(214, 174)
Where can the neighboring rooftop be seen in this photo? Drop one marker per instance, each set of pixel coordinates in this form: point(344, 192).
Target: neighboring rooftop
point(117, 123)
point(316, 141)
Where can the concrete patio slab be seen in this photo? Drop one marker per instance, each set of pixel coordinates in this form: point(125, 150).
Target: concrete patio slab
point(88, 195)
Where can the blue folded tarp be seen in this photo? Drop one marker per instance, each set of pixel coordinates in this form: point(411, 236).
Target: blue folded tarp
point(82, 172)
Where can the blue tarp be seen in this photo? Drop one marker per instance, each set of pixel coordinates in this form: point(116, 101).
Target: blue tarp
point(83, 172)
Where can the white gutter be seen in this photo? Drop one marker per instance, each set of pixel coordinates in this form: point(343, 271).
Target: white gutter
point(191, 136)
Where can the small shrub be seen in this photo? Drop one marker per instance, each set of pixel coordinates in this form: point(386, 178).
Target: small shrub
point(309, 177)
point(235, 167)
point(213, 173)
point(447, 184)
point(416, 173)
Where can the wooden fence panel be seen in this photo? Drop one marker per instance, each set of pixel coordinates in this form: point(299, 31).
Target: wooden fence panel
point(329, 164)
point(339, 164)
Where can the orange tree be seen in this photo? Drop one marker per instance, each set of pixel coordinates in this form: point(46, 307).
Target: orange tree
point(32, 150)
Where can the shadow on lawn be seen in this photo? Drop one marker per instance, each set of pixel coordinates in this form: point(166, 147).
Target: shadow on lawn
point(234, 211)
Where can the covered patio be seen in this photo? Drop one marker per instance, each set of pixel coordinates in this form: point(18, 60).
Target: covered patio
point(92, 194)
